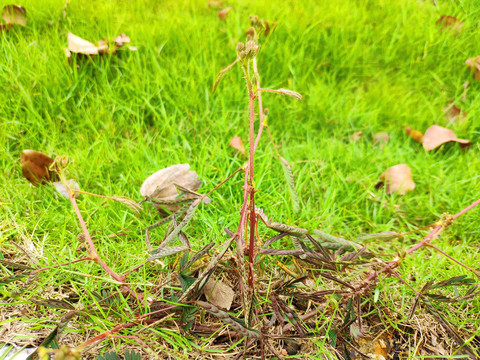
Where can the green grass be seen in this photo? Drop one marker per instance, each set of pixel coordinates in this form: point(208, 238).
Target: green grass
point(360, 65)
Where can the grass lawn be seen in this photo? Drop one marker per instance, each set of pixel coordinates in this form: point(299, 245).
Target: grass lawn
point(370, 66)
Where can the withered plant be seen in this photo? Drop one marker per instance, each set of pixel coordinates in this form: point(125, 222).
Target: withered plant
point(277, 306)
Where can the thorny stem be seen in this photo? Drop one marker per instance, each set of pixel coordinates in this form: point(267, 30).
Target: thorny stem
point(425, 242)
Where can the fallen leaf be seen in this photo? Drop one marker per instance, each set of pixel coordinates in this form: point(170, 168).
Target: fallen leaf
point(78, 45)
point(14, 15)
point(5, 27)
point(356, 136)
point(161, 185)
point(437, 135)
point(219, 294)
point(72, 184)
point(122, 39)
point(35, 167)
point(222, 14)
point(398, 178)
point(414, 134)
point(237, 143)
point(450, 22)
point(453, 113)
point(473, 64)
point(103, 47)
point(381, 138)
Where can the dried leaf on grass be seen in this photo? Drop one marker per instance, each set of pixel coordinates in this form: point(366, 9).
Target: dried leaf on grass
point(222, 14)
point(473, 65)
point(81, 46)
point(35, 167)
point(450, 22)
point(237, 143)
point(14, 15)
point(414, 134)
point(356, 136)
point(219, 294)
point(161, 185)
point(453, 113)
point(437, 135)
point(398, 179)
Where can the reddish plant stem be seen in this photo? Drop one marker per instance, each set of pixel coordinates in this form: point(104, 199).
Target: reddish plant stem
point(90, 246)
point(425, 242)
point(252, 195)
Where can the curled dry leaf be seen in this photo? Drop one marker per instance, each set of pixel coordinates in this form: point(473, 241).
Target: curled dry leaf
point(453, 113)
point(237, 143)
point(122, 39)
point(14, 15)
point(398, 179)
point(450, 22)
point(222, 14)
point(381, 138)
point(414, 134)
point(473, 65)
point(219, 294)
point(78, 45)
point(161, 185)
point(35, 167)
point(72, 185)
point(437, 135)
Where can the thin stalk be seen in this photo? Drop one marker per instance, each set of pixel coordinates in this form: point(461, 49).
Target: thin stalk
point(91, 247)
point(425, 242)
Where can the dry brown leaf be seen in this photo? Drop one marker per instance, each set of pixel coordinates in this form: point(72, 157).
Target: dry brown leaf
point(35, 166)
point(222, 14)
point(473, 64)
point(5, 27)
point(450, 22)
point(122, 39)
point(398, 179)
point(414, 134)
point(219, 294)
point(453, 113)
point(237, 143)
point(161, 185)
point(103, 47)
point(437, 135)
point(381, 138)
point(78, 45)
point(14, 15)
point(356, 136)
